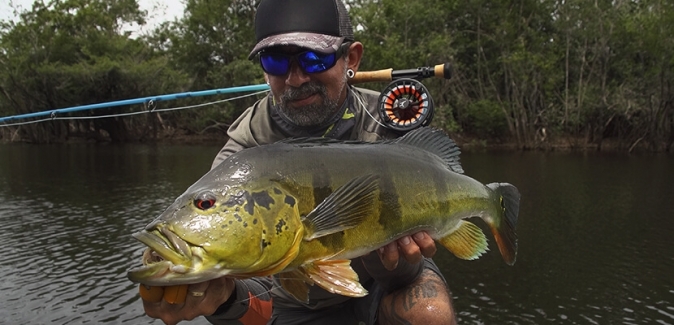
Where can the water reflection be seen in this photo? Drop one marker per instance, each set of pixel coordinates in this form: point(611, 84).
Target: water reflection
point(592, 236)
point(593, 233)
point(66, 215)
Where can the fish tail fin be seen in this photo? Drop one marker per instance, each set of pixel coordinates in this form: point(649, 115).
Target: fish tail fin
point(504, 230)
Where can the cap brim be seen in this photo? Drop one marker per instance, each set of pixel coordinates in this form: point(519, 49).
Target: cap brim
point(316, 42)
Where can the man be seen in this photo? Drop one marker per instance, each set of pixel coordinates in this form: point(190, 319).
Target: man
point(307, 51)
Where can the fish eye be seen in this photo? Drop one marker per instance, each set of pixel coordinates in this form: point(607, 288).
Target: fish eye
point(204, 201)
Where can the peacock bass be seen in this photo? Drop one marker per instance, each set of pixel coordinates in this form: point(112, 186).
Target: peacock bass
point(302, 208)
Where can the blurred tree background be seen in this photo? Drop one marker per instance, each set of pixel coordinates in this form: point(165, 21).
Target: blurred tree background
point(532, 73)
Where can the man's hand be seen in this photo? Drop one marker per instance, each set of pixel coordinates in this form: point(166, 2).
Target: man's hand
point(412, 248)
point(202, 299)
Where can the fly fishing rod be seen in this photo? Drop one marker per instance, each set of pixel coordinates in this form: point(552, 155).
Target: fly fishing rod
point(405, 103)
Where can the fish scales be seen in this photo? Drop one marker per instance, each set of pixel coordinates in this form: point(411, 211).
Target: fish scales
point(409, 193)
point(300, 208)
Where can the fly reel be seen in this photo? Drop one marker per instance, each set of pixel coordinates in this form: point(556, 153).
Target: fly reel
point(405, 104)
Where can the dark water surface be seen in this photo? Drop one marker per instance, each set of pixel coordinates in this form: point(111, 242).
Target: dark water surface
point(595, 234)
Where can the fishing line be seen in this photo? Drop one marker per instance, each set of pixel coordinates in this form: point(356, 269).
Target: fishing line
point(268, 291)
point(363, 107)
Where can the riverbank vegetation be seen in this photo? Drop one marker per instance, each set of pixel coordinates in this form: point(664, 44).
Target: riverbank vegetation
point(529, 73)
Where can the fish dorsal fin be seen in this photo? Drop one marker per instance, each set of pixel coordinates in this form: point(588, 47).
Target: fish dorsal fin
point(297, 284)
point(345, 208)
point(335, 276)
point(435, 141)
point(467, 242)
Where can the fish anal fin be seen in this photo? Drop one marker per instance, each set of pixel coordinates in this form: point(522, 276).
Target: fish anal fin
point(467, 242)
point(296, 283)
point(345, 208)
point(335, 276)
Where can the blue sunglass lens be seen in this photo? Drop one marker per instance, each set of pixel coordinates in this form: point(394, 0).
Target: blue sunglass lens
point(275, 64)
point(310, 62)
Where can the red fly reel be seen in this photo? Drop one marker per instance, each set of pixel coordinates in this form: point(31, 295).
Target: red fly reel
point(405, 104)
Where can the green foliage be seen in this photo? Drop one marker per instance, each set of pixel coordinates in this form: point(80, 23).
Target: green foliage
point(211, 44)
point(212, 34)
point(591, 70)
point(444, 119)
point(70, 53)
point(484, 118)
point(402, 34)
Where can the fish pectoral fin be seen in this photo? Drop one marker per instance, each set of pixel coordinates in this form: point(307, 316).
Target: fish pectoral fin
point(468, 242)
point(345, 208)
point(297, 284)
point(335, 276)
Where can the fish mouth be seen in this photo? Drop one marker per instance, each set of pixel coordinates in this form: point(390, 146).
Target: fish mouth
point(164, 244)
point(167, 260)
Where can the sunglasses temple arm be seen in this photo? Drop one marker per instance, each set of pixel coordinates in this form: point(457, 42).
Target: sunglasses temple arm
point(442, 71)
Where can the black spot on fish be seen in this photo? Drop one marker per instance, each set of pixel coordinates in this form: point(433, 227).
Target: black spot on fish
point(245, 224)
point(321, 193)
point(237, 199)
point(279, 226)
point(390, 215)
point(255, 221)
point(321, 184)
point(249, 207)
point(223, 226)
point(238, 217)
point(264, 243)
point(231, 221)
point(277, 191)
point(263, 199)
point(289, 200)
point(264, 231)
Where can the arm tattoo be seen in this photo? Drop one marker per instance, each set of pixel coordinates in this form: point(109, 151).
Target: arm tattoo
point(411, 296)
point(397, 305)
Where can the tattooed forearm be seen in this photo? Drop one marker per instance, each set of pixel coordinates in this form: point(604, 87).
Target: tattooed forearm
point(398, 307)
point(388, 314)
point(412, 295)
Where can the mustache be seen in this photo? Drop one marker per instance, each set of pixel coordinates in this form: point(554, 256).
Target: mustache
point(303, 91)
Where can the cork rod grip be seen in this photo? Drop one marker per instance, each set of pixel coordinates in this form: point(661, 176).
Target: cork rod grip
point(371, 76)
point(442, 71)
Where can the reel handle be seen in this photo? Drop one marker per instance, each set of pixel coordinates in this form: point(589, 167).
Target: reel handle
point(442, 71)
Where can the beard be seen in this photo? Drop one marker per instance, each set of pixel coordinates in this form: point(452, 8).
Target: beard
point(315, 114)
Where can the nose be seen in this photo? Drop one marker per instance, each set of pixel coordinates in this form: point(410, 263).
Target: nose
point(296, 76)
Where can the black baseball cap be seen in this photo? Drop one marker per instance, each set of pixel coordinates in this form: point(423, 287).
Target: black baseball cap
point(319, 25)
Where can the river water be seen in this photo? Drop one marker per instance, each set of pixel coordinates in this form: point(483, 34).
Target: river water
point(595, 234)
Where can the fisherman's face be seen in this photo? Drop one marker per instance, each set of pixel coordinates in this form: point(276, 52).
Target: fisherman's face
point(309, 99)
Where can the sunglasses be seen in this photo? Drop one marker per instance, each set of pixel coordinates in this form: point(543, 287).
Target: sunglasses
point(278, 64)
